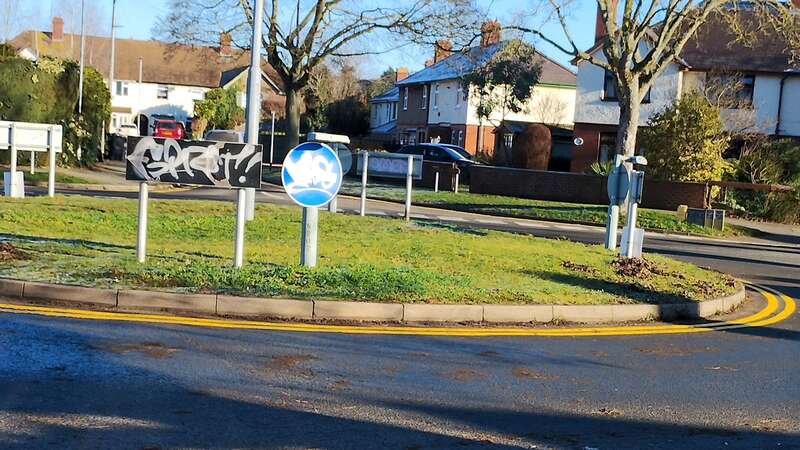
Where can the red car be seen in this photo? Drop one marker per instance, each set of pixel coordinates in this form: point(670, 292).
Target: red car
point(169, 129)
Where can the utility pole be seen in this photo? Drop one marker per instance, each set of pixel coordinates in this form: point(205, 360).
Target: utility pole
point(113, 49)
point(245, 200)
point(139, 102)
point(254, 97)
point(80, 82)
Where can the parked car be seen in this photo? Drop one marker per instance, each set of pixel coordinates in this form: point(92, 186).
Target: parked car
point(223, 136)
point(446, 153)
point(127, 129)
point(169, 129)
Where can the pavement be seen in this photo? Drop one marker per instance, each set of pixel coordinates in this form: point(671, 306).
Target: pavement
point(68, 383)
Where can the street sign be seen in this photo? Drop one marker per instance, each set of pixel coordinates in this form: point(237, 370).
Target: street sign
point(204, 163)
point(391, 165)
point(619, 181)
point(312, 174)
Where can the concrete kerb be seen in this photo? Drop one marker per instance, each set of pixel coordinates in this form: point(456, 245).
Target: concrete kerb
point(226, 305)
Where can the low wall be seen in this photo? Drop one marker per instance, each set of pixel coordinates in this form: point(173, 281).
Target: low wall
point(579, 188)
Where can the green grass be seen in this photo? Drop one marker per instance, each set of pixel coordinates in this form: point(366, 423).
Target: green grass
point(87, 241)
point(60, 178)
point(497, 205)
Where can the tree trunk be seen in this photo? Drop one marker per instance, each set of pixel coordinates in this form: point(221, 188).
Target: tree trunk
point(629, 111)
point(293, 101)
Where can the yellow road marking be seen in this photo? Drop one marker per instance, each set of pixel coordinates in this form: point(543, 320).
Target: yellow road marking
point(762, 318)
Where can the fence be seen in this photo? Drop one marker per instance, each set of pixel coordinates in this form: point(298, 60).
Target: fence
point(580, 188)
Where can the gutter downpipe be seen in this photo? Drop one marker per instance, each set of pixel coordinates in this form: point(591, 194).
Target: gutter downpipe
point(780, 104)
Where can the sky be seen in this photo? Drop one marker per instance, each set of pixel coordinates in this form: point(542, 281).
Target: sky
point(135, 19)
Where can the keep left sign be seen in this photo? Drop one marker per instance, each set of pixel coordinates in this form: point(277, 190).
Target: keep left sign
point(312, 174)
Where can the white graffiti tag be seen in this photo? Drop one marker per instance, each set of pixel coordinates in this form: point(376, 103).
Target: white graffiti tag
point(151, 161)
point(310, 171)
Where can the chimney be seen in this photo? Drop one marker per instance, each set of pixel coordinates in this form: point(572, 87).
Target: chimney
point(428, 63)
point(402, 74)
point(600, 27)
point(441, 50)
point(225, 44)
point(58, 29)
point(490, 33)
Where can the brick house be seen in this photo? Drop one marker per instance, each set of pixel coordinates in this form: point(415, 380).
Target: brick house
point(434, 106)
point(174, 77)
point(767, 84)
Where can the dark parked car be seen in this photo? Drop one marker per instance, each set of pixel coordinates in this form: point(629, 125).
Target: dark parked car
point(445, 153)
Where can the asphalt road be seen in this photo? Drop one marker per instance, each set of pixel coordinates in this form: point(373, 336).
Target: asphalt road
point(77, 384)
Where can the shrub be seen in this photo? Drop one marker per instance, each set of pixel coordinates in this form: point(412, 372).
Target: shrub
point(531, 148)
point(220, 109)
point(685, 141)
point(47, 92)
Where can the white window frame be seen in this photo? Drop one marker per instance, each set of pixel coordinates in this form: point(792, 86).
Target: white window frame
point(394, 110)
point(405, 98)
point(458, 96)
point(121, 89)
point(436, 96)
point(162, 88)
point(424, 97)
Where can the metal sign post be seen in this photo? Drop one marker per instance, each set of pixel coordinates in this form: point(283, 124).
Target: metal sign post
point(632, 237)
point(409, 183)
point(272, 140)
point(332, 205)
point(51, 163)
point(34, 138)
point(141, 234)
point(618, 183)
point(312, 175)
point(308, 247)
point(364, 183)
point(238, 246)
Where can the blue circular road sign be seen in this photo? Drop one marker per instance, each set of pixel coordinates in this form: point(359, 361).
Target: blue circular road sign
point(312, 174)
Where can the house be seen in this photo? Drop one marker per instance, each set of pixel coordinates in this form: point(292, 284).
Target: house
point(435, 107)
point(767, 88)
point(383, 112)
point(173, 77)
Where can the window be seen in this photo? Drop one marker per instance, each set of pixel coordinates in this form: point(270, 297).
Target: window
point(508, 140)
point(122, 88)
point(460, 138)
point(454, 137)
point(732, 91)
point(610, 89)
point(405, 99)
point(162, 92)
point(436, 97)
point(394, 111)
point(458, 96)
point(608, 145)
point(424, 104)
point(421, 137)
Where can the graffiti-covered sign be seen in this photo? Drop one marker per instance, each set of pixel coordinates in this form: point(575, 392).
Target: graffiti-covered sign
point(204, 163)
point(391, 165)
point(312, 174)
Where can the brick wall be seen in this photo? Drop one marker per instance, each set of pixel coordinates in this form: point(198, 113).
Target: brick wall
point(579, 188)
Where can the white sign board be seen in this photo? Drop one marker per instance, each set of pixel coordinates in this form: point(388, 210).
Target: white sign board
point(29, 137)
point(391, 165)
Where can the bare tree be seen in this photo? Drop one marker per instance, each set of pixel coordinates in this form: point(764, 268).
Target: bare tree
point(643, 37)
point(300, 35)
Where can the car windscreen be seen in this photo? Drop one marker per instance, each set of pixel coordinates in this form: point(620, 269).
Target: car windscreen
point(464, 154)
point(224, 136)
point(454, 153)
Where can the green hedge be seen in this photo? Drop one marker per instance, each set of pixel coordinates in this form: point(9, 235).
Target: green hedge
point(46, 91)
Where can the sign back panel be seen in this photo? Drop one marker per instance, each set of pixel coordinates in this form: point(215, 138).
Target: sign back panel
point(390, 165)
point(201, 163)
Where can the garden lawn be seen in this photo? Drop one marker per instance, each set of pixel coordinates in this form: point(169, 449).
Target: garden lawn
point(497, 205)
point(86, 241)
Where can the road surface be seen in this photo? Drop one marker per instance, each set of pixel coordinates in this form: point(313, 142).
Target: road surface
point(68, 383)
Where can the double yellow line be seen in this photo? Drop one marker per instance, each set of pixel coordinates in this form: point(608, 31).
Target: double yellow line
point(768, 316)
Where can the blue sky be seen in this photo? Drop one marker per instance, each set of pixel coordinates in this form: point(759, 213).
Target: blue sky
point(135, 19)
